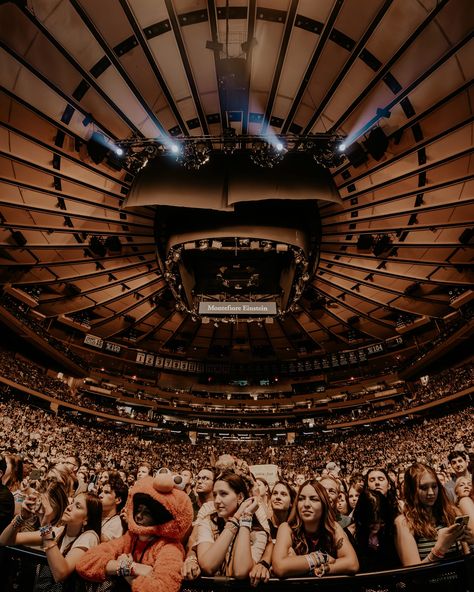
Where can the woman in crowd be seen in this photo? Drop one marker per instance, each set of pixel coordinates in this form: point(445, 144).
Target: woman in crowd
point(377, 479)
point(231, 539)
point(373, 532)
point(342, 504)
point(281, 500)
point(63, 545)
point(465, 495)
point(263, 489)
point(426, 531)
point(353, 496)
point(312, 542)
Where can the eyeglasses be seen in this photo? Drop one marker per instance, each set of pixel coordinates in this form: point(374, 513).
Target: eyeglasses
point(203, 478)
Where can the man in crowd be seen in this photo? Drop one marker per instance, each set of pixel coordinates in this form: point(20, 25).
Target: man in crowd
point(458, 462)
point(332, 487)
point(72, 463)
point(7, 502)
point(113, 496)
point(204, 487)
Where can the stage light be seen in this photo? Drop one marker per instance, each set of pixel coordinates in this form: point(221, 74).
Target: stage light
point(174, 148)
point(341, 147)
point(118, 151)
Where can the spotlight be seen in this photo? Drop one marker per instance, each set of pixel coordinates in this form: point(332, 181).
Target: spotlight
point(328, 154)
point(279, 146)
point(265, 155)
point(195, 154)
point(174, 148)
point(229, 145)
point(118, 151)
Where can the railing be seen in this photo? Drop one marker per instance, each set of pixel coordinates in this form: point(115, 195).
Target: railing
point(19, 565)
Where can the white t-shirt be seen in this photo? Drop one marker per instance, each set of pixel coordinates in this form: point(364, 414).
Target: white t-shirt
point(86, 540)
point(112, 528)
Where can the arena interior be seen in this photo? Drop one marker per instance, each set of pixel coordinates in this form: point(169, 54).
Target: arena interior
point(238, 234)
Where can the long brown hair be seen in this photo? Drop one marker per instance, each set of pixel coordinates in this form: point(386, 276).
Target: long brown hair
point(327, 525)
point(422, 522)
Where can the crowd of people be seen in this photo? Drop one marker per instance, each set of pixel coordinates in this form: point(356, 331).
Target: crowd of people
point(150, 506)
point(34, 377)
point(103, 505)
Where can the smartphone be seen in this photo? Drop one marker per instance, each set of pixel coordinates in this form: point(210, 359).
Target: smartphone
point(35, 475)
point(462, 520)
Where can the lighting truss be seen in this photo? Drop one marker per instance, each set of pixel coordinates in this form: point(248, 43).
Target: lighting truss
point(266, 151)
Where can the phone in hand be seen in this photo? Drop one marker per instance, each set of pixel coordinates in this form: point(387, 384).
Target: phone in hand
point(462, 520)
point(35, 475)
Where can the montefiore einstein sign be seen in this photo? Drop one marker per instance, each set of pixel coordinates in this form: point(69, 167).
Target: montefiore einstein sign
point(237, 308)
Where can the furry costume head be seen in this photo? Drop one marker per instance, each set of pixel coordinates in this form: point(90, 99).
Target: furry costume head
point(171, 508)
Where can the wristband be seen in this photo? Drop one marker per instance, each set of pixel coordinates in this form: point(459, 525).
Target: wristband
point(46, 530)
point(246, 522)
point(264, 563)
point(437, 554)
point(234, 521)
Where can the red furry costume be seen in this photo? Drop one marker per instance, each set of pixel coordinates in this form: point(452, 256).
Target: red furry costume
point(165, 554)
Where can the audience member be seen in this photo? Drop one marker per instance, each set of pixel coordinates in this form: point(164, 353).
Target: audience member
point(426, 531)
point(312, 542)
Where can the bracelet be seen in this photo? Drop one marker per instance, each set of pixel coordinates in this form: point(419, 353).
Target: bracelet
point(265, 564)
point(320, 571)
point(246, 522)
point(46, 530)
point(54, 543)
point(233, 528)
point(311, 563)
point(192, 558)
point(437, 554)
point(234, 521)
point(125, 568)
point(322, 558)
point(18, 521)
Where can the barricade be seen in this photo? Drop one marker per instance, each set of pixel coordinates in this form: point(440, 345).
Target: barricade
point(19, 566)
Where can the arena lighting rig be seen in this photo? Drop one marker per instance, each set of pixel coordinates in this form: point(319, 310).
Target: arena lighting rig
point(326, 149)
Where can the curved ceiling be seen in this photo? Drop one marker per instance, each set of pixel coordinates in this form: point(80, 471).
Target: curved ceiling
point(128, 68)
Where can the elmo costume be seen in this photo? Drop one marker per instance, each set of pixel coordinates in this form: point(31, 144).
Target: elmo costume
point(159, 546)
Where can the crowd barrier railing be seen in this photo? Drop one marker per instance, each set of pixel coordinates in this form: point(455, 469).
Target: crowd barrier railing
point(19, 567)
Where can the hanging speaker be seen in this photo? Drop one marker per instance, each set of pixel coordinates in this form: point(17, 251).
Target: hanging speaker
point(72, 290)
point(376, 143)
point(19, 238)
point(365, 242)
point(355, 154)
point(97, 147)
point(466, 236)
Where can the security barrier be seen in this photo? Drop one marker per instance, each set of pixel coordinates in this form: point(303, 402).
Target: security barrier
point(19, 567)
